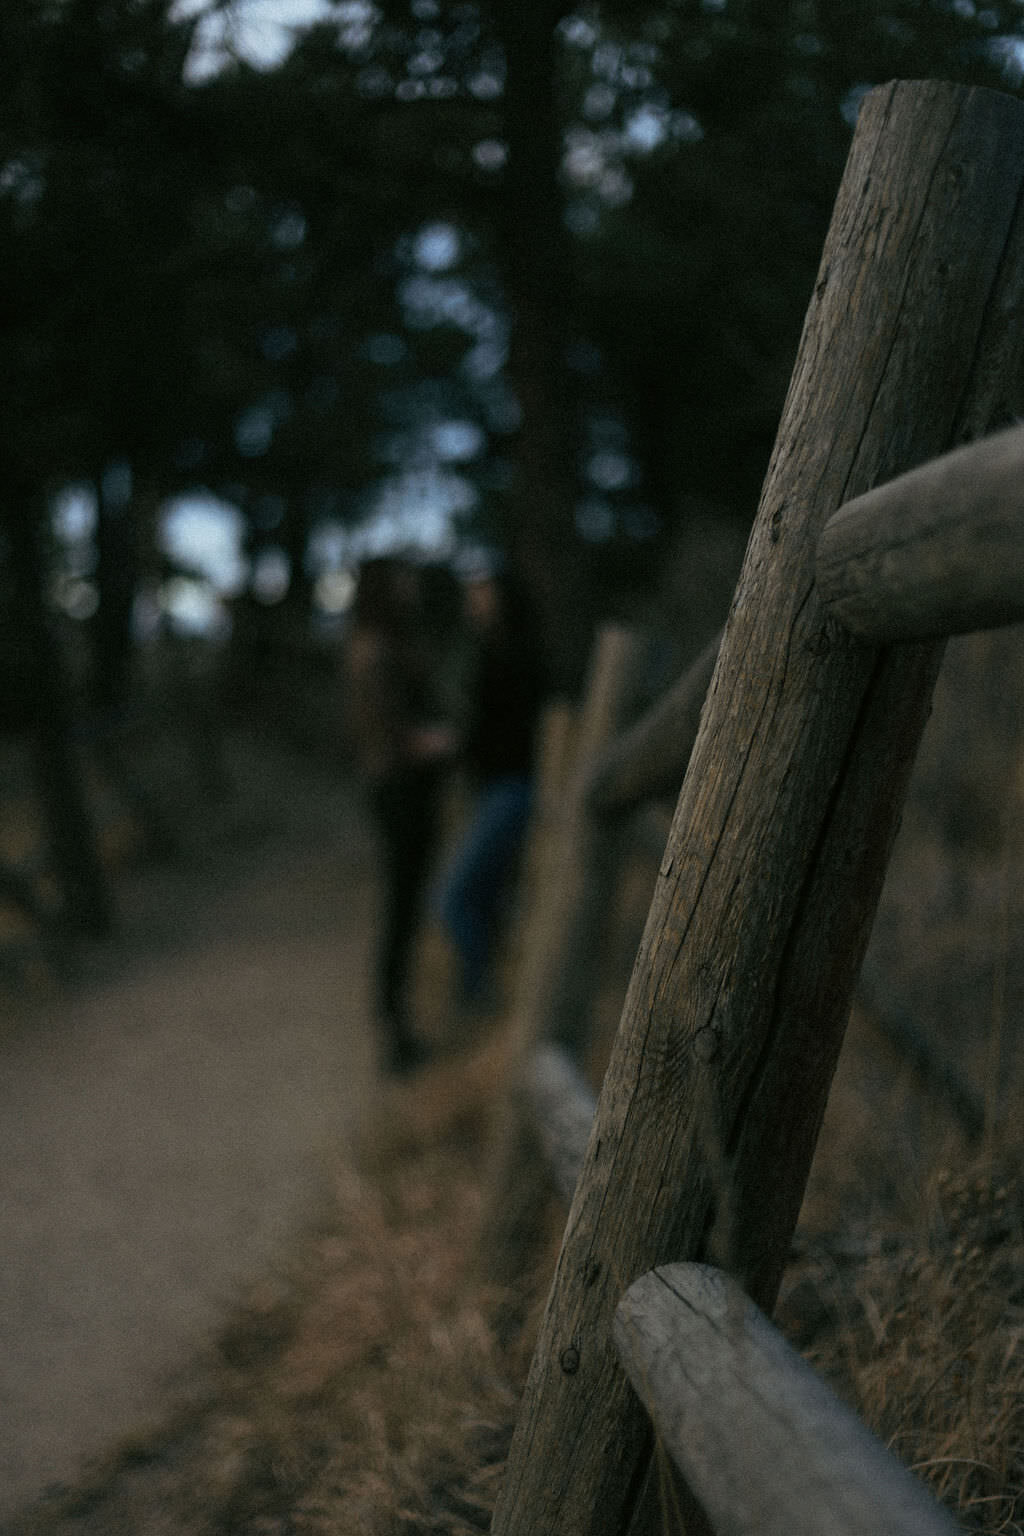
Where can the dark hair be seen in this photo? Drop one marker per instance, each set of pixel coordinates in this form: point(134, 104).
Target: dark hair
point(517, 611)
point(377, 600)
point(440, 597)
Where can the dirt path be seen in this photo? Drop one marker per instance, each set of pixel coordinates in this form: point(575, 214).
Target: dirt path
point(165, 1126)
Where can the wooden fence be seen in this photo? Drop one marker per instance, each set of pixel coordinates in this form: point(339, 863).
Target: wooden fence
point(701, 1141)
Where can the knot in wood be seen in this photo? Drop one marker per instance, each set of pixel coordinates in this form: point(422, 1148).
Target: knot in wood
point(706, 1042)
point(569, 1360)
point(825, 637)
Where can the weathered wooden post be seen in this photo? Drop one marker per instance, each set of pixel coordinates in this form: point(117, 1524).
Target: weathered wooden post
point(735, 1013)
point(562, 910)
point(568, 877)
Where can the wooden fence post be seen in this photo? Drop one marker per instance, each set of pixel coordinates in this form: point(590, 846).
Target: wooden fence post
point(567, 875)
point(714, 1094)
point(574, 858)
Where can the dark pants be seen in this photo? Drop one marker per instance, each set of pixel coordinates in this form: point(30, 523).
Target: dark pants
point(406, 809)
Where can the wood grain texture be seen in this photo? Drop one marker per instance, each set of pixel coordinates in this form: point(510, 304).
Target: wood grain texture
point(736, 1009)
point(938, 551)
point(766, 1446)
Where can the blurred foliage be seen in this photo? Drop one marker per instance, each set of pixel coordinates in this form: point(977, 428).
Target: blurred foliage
point(234, 277)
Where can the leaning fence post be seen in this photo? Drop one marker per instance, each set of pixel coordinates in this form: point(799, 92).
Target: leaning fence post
point(566, 853)
point(717, 1082)
point(567, 875)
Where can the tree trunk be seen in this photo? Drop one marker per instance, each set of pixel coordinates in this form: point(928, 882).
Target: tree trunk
point(736, 1010)
point(541, 532)
point(87, 904)
point(116, 579)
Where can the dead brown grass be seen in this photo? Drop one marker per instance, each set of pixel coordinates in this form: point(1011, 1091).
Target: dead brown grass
point(922, 1332)
point(371, 1389)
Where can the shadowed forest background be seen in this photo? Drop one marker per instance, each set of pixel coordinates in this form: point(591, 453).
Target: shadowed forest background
point(525, 275)
point(445, 277)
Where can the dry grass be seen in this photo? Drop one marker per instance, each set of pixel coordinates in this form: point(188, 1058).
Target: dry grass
point(371, 1390)
point(922, 1332)
point(945, 1382)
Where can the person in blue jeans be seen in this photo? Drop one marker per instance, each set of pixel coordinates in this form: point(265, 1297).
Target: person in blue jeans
point(506, 695)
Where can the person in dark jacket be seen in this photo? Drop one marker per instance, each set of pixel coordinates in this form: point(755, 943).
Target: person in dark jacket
point(498, 751)
point(402, 749)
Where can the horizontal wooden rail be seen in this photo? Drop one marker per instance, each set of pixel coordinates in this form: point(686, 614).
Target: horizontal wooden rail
point(562, 1104)
point(936, 1072)
point(937, 551)
point(763, 1444)
point(650, 758)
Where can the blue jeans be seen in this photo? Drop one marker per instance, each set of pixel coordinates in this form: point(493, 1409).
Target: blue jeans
point(476, 886)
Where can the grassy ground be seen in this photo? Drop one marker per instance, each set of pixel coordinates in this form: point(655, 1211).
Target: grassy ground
point(369, 1386)
point(368, 1389)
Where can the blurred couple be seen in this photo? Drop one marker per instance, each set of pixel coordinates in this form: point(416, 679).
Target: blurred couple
point(425, 697)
